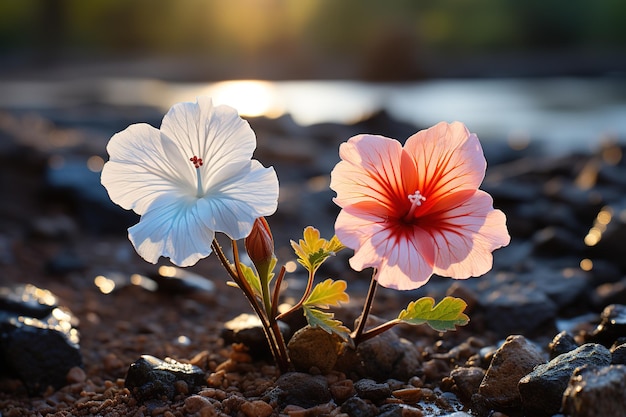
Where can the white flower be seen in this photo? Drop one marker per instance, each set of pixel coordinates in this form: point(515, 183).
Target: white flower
point(188, 180)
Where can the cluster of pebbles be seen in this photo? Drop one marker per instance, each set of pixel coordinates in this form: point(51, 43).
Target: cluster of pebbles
point(123, 338)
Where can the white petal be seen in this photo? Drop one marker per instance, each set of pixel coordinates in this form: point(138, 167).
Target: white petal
point(143, 165)
point(172, 228)
point(214, 133)
point(232, 207)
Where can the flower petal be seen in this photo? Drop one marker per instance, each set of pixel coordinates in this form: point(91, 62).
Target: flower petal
point(403, 258)
point(214, 133)
point(369, 171)
point(143, 165)
point(172, 228)
point(232, 206)
point(466, 234)
point(448, 159)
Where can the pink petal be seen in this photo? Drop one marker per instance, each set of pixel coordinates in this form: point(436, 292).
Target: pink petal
point(448, 159)
point(403, 260)
point(369, 171)
point(466, 235)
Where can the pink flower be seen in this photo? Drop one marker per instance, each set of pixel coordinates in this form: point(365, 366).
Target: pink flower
point(416, 210)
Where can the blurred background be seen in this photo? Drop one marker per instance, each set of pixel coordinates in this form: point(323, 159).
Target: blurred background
point(511, 70)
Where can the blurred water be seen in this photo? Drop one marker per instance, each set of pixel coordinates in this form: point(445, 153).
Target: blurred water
point(562, 113)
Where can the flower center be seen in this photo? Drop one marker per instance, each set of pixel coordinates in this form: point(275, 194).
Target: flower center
point(197, 163)
point(416, 201)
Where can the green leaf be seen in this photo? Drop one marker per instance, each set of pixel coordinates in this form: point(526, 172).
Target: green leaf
point(312, 250)
point(328, 293)
point(252, 279)
point(446, 315)
point(327, 322)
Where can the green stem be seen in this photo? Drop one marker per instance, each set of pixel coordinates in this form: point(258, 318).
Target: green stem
point(358, 334)
point(307, 292)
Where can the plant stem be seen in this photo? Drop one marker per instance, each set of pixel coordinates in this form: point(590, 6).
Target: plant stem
point(366, 335)
point(358, 334)
point(279, 281)
point(307, 292)
point(270, 327)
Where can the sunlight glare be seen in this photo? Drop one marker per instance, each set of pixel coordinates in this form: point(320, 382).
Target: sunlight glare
point(251, 98)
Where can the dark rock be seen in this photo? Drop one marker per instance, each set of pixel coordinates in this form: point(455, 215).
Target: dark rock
point(399, 410)
point(380, 358)
point(369, 389)
point(596, 391)
point(150, 378)
point(618, 354)
point(556, 241)
point(612, 325)
point(542, 390)
point(299, 389)
point(512, 361)
point(466, 381)
point(609, 293)
point(562, 343)
point(39, 342)
point(358, 407)
point(519, 309)
point(247, 329)
point(314, 348)
point(173, 280)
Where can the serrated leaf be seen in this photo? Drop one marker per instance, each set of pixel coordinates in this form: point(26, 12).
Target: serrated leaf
point(252, 279)
point(328, 293)
point(327, 322)
point(312, 250)
point(446, 315)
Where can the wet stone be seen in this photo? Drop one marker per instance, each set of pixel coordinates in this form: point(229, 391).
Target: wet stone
point(399, 410)
point(596, 391)
point(542, 390)
point(562, 343)
point(39, 342)
point(150, 378)
point(618, 354)
point(612, 325)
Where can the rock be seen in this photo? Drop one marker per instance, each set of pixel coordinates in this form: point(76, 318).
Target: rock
point(596, 391)
point(399, 410)
point(150, 378)
point(518, 308)
point(314, 348)
point(39, 343)
point(512, 361)
point(562, 343)
point(371, 390)
point(358, 407)
point(247, 329)
point(612, 325)
point(380, 358)
point(299, 389)
point(173, 280)
point(609, 293)
point(466, 381)
point(619, 354)
point(542, 389)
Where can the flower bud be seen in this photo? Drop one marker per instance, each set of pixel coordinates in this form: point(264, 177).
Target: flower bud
point(260, 246)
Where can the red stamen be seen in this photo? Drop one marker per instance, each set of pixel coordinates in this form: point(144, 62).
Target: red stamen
point(197, 162)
